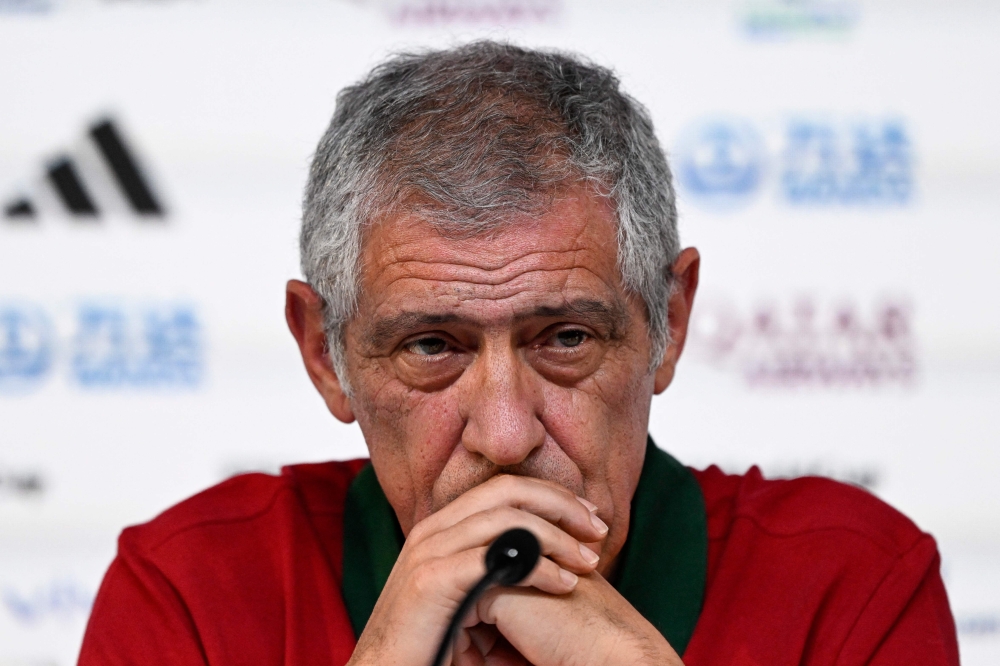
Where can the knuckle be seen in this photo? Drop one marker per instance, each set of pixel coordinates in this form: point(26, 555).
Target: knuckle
point(561, 489)
point(506, 483)
point(501, 514)
point(562, 546)
point(546, 575)
point(474, 557)
point(557, 487)
point(418, 552)
point(544, 568)
point(419, 531)
point(426, 576)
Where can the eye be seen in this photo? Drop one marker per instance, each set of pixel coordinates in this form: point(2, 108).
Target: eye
point(428, 346)
point(569, 338)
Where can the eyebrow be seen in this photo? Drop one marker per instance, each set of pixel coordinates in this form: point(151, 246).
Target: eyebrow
point(613, 317)
point(384, 330)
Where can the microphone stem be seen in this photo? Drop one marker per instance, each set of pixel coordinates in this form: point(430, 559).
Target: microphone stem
point(463, 609)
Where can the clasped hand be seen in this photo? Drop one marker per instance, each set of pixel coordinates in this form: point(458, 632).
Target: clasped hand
point(564, 613)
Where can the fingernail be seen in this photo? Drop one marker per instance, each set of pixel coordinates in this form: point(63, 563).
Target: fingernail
point(598, 524)
point(568, 578)
point(590, 556)
point(587, 503)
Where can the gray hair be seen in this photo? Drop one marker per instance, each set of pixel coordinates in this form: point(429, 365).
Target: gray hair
point(471, 137)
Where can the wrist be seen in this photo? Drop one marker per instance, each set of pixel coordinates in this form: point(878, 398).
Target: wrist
point(653, 650)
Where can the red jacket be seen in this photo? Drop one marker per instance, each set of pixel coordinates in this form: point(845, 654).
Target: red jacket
point(807, 571)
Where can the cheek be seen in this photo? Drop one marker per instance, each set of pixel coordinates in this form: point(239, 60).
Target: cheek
point(601, 426)
point(596, 419)
point(410, 437)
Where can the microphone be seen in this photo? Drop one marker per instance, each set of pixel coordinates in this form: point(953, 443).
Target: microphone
point(509, 560)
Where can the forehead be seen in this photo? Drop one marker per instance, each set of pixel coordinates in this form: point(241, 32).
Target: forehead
point(569, 250)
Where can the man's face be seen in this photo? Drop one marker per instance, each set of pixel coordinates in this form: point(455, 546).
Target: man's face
point(516, 353)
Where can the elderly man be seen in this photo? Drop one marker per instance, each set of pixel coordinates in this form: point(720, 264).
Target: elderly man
point(495, 292)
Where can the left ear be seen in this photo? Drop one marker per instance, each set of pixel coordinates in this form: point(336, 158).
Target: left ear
point(685, 271)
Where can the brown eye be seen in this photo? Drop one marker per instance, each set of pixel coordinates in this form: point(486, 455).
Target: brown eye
point(570, 338)
point(428, 346)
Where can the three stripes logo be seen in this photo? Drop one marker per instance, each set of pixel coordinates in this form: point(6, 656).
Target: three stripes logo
point(102, 176)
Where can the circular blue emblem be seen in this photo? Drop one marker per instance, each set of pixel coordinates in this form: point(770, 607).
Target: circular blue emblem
point(720, 162)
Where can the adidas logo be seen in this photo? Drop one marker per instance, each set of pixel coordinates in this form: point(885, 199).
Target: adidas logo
point(101, 176)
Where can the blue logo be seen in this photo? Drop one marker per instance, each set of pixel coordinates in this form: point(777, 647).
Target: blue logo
point(26, 340)
point(25, 6)
point(785, 19)
point(869, 163)
point(63, 598)
point(159, 347)
point(820, 163)
point(721, 162)
point(111, 346)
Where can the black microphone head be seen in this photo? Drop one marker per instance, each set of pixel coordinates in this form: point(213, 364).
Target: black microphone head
point(513, 556)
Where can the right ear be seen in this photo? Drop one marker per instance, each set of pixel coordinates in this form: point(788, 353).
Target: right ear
point(304, 314)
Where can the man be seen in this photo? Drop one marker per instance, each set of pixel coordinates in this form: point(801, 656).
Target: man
point(495, 292)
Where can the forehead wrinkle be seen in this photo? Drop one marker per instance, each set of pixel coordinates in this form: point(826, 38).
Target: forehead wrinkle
point(462, 292)
point(450, 297)
point(486, 273)
point(473, 285)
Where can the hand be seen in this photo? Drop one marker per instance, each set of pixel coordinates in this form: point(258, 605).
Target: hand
point(593, 624)
point(443, 558)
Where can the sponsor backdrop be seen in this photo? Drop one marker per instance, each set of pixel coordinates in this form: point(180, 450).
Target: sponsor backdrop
point(837, 165)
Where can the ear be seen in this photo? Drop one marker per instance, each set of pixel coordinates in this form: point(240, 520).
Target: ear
point(304, 314)
point(685, 271)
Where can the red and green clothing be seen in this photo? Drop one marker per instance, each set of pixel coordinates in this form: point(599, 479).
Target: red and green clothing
point(733, 570)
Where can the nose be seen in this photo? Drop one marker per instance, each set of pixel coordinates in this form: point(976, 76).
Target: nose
point(502, 404)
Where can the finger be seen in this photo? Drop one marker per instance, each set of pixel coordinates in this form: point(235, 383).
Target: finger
point(482, 528)
point(462, 640)
point(484, 637)
point(470, 656)
point(442, 580)
point(448, 579)
point(498, 600)
point(545, 499)
point(451, 578)
point(548, 576)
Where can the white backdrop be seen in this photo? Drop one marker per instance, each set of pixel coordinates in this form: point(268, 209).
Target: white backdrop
point(837, 165)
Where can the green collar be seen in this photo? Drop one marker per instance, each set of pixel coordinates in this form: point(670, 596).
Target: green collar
point(662, 565)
